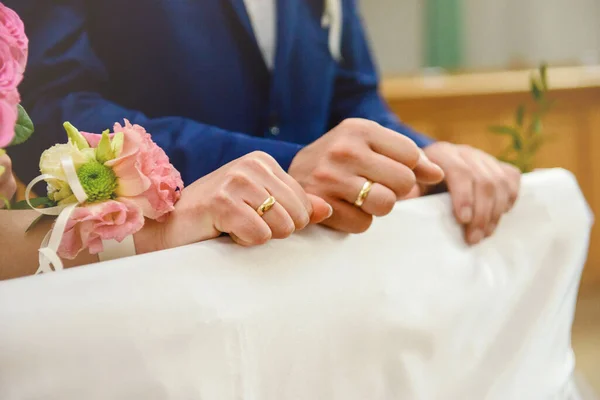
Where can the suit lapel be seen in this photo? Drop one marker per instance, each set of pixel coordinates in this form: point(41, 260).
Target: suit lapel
point(240, 9)
point(287, 19)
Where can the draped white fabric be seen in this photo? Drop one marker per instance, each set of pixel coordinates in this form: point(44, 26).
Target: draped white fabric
point(404, 311)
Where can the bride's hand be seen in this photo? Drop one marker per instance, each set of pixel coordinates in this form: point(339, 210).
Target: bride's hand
point(226, 201)
point(8, 185)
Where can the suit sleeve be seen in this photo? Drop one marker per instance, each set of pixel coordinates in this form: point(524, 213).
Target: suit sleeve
point(64, 82)
point(356, 92)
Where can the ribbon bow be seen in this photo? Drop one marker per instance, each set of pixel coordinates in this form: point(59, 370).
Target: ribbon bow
point(49, 248)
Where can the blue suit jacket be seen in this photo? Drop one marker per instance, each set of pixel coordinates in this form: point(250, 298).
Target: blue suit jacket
point(192, 74)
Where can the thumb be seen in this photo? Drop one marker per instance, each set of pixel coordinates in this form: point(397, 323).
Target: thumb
point(427, 172)
point(321, 209)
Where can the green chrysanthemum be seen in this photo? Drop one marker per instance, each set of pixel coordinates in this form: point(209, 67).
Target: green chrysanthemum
point(98, 181)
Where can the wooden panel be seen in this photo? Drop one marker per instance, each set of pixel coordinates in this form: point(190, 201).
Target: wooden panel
point(575, 124)
point(488, 83)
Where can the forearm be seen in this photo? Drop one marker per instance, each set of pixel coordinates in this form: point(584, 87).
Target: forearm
point(356, 88)
point(19, 254)
point(19, 250)
point(181, 138)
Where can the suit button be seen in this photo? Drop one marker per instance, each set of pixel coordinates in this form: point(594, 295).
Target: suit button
point(274, 130)
point(274, 124)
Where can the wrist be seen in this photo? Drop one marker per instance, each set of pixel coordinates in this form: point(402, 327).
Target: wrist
point(150, 238)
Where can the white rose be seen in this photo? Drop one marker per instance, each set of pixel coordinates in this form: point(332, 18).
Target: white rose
point(50, 163)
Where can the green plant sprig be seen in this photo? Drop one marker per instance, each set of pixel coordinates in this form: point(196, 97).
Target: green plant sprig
point(526, 132)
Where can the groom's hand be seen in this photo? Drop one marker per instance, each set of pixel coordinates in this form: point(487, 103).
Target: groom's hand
point(336, 166)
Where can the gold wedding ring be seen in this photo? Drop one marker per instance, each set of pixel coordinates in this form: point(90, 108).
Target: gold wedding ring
point(364, 192)
point(266, 206)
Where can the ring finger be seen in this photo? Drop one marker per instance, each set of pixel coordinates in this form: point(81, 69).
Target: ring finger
point(379, 201)
point(277, 217)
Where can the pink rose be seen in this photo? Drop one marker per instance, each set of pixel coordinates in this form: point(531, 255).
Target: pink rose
point(12, 32)
point(10, 71)
point(8, 119)
point(13, 57)
point(144, 172)
point(91, 224)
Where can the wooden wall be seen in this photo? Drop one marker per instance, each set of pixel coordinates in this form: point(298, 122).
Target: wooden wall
point(460, 108)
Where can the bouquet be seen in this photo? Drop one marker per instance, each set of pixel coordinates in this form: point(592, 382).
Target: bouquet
point(15, 125)
point(102, 187)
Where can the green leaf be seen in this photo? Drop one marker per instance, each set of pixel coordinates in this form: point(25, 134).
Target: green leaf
point(536, 90)
point(504, 130)
point(509, 131)
point(536, 125)
point(536, 143)
point(5, 201)
point(23, 128)
point(75, 136)
point(117, 143)
point(547, 105)
point(104, 150)
point(520, 115)
point(544, 76)
point(35, 202)
point(508, 160)
point(39, 219)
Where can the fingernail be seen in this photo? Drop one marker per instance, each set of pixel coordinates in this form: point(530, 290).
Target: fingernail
point(466, 215)
point(330, 211)
point(476, 236)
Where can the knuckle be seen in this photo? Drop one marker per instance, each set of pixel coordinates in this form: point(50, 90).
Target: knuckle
point(465, 149)
point(413, 155)
point(461, 170)
point(253, 161)
point(486, 183)
point(238, 179)
point(222, 199)
point(361, 225)
point(384, 204)
point(261, 238)
point(353, 122)
point(405, 183)
point(285, 230)
point(264, 157)
point(359, 127)
point(342, 151)
point(302, 220)
point(512, 173)
point(325, 174)
point(254, 234)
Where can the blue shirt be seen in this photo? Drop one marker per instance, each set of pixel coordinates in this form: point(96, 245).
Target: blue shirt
point(192, 74)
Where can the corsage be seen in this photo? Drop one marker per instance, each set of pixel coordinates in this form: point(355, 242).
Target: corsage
point(101, 188)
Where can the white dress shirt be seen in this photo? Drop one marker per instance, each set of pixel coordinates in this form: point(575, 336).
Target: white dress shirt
point(263, 16)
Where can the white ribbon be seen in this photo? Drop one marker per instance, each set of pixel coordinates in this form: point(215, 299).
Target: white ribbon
point(333, 19)
point(48, 251)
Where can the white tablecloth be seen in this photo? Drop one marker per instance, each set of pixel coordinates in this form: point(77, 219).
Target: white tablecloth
point(404, 311)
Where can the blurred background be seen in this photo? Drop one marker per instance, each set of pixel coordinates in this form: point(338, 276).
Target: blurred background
point(476, 35)
point(453, 68)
